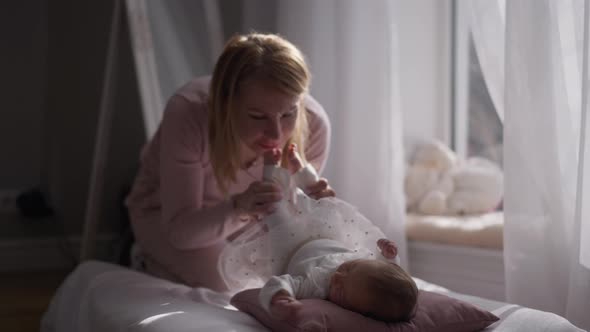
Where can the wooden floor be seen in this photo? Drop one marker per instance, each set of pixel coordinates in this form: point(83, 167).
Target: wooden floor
point(24, 297)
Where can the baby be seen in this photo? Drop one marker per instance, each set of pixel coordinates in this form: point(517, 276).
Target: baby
point(357, 280)
point(313, 248)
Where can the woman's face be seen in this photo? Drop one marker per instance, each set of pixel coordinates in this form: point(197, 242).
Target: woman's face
point(265, 117)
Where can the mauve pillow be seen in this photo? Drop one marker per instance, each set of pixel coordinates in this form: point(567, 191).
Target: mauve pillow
point(435, 312)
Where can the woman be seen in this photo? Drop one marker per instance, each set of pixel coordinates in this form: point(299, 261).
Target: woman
point(199, 180)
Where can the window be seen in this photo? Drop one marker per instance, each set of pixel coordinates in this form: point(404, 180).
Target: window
point(477, 128)
point(484, 125)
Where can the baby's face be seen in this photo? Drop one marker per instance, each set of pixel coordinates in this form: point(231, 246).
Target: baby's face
point(348, 286)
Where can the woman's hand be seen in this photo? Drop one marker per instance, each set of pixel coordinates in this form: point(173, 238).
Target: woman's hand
point(258, 200)
point(320, 189)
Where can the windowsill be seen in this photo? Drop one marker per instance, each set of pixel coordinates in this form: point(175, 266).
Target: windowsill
point(479, 231)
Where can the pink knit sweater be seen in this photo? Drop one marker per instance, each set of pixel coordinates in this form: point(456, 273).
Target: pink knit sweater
point(180, 218)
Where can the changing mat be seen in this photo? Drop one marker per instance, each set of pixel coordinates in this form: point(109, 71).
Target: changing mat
point(99, 296)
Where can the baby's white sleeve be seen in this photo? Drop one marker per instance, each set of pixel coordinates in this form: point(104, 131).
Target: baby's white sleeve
point(305, 177)
point(298, 287)
point(276, 284)
point(279, 175)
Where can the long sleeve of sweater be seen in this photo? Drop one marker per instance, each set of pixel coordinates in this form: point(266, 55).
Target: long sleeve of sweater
point(182, 149)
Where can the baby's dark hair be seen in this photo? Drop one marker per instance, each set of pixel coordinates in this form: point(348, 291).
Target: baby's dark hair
point(394, 292)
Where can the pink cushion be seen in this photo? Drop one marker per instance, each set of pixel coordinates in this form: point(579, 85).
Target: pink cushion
point(435, 312)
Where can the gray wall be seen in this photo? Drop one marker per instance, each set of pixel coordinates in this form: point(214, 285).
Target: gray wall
point(51, 88)
point(53, 60)
point(77, 52)
point(23, 64)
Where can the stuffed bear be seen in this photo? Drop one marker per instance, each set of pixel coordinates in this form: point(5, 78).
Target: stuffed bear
point(437, 182)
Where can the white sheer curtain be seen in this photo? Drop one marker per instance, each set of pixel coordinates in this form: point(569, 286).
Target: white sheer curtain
point(351, 47)
point(547, 187)
point(487, 22)
point(173, 41)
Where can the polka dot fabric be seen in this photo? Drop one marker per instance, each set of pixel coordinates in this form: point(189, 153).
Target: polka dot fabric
point(264, 250)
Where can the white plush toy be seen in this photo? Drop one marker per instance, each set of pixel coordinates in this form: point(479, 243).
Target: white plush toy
point(439, 183)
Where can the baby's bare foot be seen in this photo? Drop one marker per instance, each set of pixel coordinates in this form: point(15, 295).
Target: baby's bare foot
point(272, 157)
point(295, 162)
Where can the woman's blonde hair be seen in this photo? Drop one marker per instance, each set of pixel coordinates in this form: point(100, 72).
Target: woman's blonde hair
point(265, 56)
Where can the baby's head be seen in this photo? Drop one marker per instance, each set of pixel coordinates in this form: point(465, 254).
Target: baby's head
point(377, 289)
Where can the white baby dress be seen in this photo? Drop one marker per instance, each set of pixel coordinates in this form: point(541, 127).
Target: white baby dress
point(265, 248)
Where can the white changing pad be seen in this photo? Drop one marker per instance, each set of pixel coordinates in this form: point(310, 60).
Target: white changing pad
point(483, 230)
point(99, 296)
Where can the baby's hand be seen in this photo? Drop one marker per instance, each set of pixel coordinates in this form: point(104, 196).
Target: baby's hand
point(272, 157)
point(295, 163)
point(284, 306)
point(388, 248)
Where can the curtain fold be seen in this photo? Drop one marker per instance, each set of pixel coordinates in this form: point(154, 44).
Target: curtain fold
point(583, 201)
point(541, 141)
point(173, 41)
point(352, 50)
point(487, 21)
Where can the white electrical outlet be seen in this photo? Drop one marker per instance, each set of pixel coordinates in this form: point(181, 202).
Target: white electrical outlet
point(8, 200)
